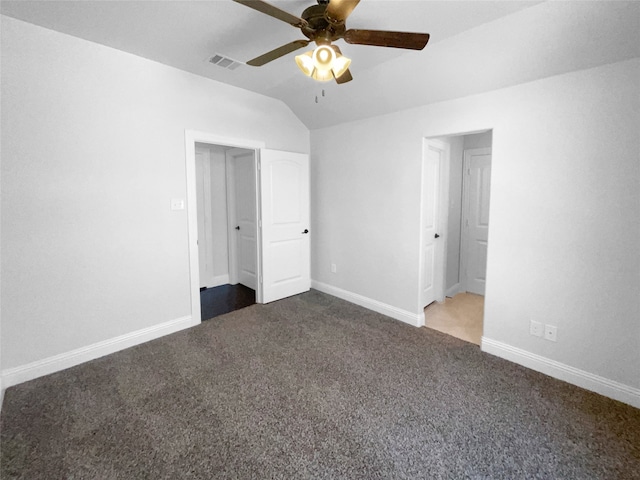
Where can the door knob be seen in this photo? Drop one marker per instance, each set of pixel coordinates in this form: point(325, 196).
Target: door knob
point(436, 236)
point(305, 231)
point(238, 227)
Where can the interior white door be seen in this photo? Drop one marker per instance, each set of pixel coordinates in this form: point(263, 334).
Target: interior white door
point(246, 228)
point(477, 164)
point(284, 190)
point(430, 222)
point(203, 202)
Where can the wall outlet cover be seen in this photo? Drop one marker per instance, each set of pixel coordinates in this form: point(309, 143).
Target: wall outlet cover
point(550, 332)
point(536, 328)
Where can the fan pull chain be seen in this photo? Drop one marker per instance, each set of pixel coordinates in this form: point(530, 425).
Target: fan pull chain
point(323, 94)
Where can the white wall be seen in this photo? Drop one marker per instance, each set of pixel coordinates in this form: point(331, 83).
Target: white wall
point(456, 152)
point(219, 242)
point(92, 153)
point(477, 140)
point(565, 213)
point(219, 211)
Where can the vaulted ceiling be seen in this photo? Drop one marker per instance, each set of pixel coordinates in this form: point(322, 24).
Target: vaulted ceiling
point(475, 46)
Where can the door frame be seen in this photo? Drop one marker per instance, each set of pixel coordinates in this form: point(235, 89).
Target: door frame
point(443, 212)
point(207, 214)
point(231, 219)
point(191, 137)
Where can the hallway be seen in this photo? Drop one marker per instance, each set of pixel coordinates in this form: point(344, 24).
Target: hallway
point(224, 299)
point(460, 316)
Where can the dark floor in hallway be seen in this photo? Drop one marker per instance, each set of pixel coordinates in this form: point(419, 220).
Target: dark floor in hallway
point(224, 299)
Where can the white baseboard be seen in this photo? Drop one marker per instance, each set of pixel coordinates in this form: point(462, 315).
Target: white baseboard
point(453, 291)
point(413, 319)
point(219, 280)
point(575, 376)
point(46, 366)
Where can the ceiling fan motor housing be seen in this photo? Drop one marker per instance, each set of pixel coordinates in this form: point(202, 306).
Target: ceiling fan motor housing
point(318, 29)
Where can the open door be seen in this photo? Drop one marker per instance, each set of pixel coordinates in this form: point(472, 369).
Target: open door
point(433, 228)
point(284, 203)
point(242, 217)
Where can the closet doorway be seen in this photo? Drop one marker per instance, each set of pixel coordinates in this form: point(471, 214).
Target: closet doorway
point(463, 224)
point(227, 228)
point(281, 186)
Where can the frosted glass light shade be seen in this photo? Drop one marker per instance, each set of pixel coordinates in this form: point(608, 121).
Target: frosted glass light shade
point(323, 57)
point(323, 63)
point(340, 65)
point(305, 63)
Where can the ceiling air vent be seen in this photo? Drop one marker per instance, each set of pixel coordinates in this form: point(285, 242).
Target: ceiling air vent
point(224, 62)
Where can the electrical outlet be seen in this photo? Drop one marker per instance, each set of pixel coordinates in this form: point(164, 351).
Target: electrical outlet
point(536, 329)
point(334, 269)
point(550, 332)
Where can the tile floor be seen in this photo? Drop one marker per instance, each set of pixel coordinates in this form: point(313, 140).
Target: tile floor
point(460, 316)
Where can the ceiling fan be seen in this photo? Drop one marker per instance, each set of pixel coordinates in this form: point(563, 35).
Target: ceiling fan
point(323, 24)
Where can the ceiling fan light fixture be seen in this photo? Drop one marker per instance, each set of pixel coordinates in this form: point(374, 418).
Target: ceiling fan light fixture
point(305, 63)
point(340, 65)
point(322, 75)
point(323, 64)
point(323, 57)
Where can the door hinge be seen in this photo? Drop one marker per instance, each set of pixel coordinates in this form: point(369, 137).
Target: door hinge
point(468, 171)
point(259, 166)
point(260, 223)
point(260, 278)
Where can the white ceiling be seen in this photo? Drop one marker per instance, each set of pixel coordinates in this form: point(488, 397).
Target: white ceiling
point(475, 46)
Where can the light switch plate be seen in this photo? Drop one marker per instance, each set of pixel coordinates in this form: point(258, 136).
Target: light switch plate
point(177, 204)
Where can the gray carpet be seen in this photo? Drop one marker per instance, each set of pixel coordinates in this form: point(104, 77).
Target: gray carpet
point(311, 387)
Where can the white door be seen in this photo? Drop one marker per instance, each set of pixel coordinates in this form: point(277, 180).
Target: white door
point(284, 190)
point(431, 242)
point(246, 228)
point(477, 165)
point(203, 192)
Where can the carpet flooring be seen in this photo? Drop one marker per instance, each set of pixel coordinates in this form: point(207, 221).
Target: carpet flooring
point(217, 301)
point(311, 387)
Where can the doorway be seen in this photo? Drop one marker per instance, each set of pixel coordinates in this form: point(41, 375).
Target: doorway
point(281, 188)
point(456, 194)
point(227, 228)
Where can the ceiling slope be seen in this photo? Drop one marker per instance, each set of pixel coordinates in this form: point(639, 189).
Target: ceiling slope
point(475, 46)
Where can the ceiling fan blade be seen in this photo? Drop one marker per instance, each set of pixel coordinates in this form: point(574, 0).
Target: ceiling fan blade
point(344, 78)
point(274, 12)
point(338, 10)
point(381, 38)
point(277, 53)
